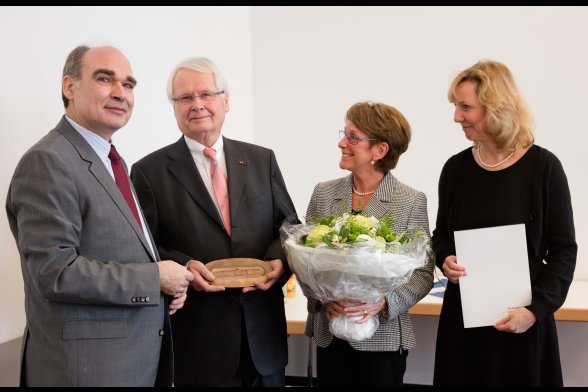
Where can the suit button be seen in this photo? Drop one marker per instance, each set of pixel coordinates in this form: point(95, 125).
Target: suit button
point(147, 299)
point(235, 302)
point(134, 299)
point(161, 332)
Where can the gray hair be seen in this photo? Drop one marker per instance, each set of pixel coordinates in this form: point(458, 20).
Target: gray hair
point(73, 67)
point(199, 64)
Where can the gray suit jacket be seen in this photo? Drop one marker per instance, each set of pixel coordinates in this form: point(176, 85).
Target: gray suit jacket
point(95, 313)
point(409, 209)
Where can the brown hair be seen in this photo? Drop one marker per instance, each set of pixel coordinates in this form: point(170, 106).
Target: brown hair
point(385, 123)
point(73, 67)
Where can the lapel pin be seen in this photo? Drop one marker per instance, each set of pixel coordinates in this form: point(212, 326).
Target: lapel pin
point(242, 163)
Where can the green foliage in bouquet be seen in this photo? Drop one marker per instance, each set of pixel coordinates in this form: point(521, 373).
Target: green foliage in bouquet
point(336, 231)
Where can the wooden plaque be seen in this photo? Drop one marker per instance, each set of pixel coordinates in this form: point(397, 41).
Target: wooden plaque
point(238, 272)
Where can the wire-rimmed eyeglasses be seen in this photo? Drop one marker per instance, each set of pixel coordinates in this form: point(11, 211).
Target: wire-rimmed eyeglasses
point(352, 139)
point(206, 96)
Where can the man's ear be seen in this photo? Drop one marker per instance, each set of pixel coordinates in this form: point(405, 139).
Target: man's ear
point(227, 105)
point(67, 87)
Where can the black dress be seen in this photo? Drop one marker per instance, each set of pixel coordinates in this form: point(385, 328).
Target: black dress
point(471, 197)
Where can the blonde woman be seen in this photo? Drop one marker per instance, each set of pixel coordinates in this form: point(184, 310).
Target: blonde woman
point(503, 179)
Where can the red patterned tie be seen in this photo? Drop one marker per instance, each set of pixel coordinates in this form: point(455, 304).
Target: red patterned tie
point(219, 184)
point(122, 180)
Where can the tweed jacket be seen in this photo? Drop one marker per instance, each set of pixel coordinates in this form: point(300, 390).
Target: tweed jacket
point(409, 209)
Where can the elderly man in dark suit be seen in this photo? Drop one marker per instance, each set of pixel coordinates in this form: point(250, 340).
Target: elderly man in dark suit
point(96, 309)
point(201, 209)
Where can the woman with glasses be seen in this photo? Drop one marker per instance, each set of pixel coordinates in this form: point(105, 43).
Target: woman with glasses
point(374, 137)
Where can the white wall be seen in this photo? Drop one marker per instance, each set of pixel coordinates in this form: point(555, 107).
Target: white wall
point(303, 67)
point(312, 63)
point(34, 42)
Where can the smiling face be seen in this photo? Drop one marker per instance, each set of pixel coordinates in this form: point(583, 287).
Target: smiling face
point(469, 111)
point(200, 120)
point(102, 100)
point(357, 158)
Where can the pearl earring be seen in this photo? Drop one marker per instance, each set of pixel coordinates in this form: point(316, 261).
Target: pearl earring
point(372, 162)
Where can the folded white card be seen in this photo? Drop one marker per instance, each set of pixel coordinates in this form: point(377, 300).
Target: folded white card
point(497, 268)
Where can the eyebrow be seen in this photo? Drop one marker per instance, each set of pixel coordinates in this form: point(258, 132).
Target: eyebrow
point(109, 72)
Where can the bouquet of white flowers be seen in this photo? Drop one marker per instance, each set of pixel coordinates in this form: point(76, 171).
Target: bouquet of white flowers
point(352, 257)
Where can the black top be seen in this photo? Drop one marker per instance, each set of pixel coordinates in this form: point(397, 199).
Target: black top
point(495, 198)
point(533, 191)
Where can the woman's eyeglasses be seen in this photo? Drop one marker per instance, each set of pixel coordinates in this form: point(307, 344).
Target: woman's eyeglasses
point(352, 139)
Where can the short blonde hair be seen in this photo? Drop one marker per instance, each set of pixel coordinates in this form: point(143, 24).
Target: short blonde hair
point(508, 118)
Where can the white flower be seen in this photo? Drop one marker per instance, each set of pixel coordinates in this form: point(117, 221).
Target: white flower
point(353, 257)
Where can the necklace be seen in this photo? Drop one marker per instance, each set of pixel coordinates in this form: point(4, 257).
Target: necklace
point(362, 193)
point(494, 165)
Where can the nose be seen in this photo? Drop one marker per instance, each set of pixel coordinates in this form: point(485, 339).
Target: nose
point(118, 91)
point(458, 116)
point(197, 104)
point(342, 142)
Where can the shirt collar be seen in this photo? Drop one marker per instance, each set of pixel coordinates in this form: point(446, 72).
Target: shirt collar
point(100, 146)
point(198, 148)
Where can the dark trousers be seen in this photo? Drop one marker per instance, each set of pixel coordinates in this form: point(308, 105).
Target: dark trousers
point(340, 365)
point(246, 374)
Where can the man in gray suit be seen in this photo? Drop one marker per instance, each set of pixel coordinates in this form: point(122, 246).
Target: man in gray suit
point(232, 337)
point(96, 296)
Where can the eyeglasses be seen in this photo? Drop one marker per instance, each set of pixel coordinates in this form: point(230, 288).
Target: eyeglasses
point(352, 139)
point(206, 96)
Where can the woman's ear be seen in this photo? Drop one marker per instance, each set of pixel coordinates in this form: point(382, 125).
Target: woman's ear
point(380, 150)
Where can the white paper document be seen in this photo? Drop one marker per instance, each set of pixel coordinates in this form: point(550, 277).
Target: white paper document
point(498, 277)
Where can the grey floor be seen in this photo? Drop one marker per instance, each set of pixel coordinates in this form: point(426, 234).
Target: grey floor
point(9, 363)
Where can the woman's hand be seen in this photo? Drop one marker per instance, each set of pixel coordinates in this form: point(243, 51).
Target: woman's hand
point(452, 270)
point(335, 309)
point(519, 320)
point(353, 308)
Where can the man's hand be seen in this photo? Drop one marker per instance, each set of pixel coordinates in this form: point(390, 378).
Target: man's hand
point(174, 278)
point(272, 277)
point(202, 277)
point(177, 302)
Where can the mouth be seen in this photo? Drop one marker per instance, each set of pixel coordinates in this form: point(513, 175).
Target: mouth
point(197, 118)
point(116, 109)
point(343, 155)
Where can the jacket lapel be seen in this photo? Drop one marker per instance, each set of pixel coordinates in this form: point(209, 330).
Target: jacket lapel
point(184, 170)
point(380, 201)
point(342, 202)
point(237, 162)
point(97, 169)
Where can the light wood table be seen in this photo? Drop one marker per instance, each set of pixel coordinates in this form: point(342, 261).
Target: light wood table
point(296, 313)
point(575, 307)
